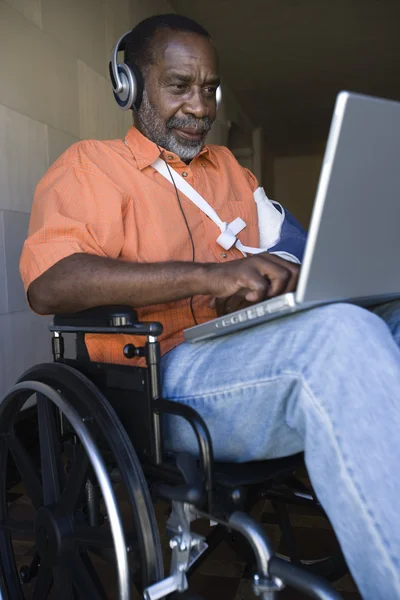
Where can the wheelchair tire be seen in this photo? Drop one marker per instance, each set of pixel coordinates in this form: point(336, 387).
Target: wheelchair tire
point(94, 409)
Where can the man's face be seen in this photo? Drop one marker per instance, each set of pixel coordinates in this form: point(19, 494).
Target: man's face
point(179, 99)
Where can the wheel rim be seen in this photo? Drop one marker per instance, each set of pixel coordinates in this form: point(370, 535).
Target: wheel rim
point(54, 524)
point(51, 519)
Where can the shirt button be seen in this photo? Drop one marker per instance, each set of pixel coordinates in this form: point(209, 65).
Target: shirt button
point(184, 174)
point(224, 255)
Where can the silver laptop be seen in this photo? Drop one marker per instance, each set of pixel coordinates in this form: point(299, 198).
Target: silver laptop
point(353, 246)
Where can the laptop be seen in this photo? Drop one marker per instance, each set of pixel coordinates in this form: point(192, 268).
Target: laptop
point(352, 252)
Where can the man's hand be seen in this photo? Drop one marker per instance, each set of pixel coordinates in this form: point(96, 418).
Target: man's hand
point(243, 282)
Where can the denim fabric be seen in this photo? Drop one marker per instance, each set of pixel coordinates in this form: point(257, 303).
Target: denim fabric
point(326, 381)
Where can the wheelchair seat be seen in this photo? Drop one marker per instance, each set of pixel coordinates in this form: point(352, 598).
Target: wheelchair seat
point(99, 425)
point(240, 474)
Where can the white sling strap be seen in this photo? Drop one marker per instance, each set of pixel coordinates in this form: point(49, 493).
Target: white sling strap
point(227, 238)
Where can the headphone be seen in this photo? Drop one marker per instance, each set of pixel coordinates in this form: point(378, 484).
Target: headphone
point(127, 80)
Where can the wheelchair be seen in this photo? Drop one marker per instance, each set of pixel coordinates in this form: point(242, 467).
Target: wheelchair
point(96, 435)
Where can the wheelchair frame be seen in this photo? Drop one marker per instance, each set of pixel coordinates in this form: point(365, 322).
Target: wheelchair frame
point(135, 395)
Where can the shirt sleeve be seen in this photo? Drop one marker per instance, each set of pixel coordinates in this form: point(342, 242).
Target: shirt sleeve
point(251, 178)
point(75, 210)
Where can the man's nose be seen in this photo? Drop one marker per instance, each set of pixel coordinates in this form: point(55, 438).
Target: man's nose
point(196, 105)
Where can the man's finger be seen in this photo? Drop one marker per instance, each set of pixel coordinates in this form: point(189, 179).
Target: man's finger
point(278, 277)
point(288, 278)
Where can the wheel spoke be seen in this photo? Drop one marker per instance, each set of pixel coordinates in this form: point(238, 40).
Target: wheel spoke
point(44, 582)
point(93, 537)
point(18, 527)
point(287, 531)
point(29, 474)
point(86, 580)
point(50, 452)
point(63, 582)
point(75, 485)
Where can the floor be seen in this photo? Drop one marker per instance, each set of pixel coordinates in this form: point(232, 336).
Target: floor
point(220, 577)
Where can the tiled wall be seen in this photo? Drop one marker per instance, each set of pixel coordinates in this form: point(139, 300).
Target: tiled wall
point(54, 91)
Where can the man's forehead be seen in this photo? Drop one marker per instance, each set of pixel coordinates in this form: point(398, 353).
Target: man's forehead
point(181, 50)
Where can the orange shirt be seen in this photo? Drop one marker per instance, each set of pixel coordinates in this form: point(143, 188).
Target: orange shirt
point(104, 198)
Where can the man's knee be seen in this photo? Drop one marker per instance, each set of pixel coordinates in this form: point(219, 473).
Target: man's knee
point(336, 332)
point(349, 318)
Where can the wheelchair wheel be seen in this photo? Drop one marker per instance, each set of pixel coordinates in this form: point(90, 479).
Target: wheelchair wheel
point(72, 549)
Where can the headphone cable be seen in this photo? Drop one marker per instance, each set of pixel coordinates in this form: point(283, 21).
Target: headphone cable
point(180, 206)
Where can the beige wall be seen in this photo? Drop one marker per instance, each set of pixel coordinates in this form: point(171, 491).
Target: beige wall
point(295, 180)
point(54, 90)
point(230, 116)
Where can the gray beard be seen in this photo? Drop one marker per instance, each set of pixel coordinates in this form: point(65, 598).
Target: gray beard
point(160, 132)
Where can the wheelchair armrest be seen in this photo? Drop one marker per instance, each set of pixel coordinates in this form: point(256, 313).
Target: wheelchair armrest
point(192, 491)
point(104, 319)
point(100, 316)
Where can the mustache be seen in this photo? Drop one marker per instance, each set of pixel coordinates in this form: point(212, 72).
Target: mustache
point(200, 125)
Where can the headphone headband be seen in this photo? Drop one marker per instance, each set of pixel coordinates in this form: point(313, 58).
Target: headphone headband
point(115, 78)
point(126, 80)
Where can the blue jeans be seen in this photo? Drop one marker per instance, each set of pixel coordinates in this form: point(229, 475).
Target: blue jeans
point(326, 381)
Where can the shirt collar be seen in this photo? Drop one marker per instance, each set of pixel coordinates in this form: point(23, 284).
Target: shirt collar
point(145, 152)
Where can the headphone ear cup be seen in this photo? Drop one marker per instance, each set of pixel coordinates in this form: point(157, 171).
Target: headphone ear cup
point(218, 96)
point(137, 76)
point(127, 96)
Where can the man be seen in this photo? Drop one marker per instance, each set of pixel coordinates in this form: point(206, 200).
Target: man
point(107, 228)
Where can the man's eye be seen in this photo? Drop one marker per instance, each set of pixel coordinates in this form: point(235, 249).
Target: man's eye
point(180, 86)
point(211, 90)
